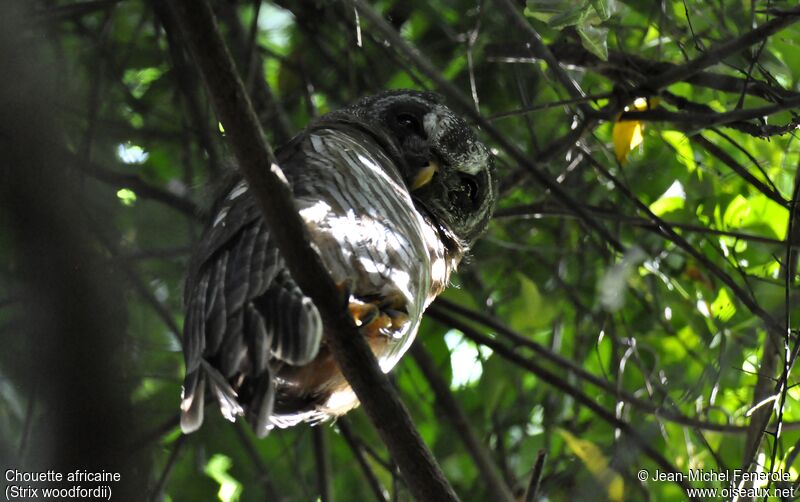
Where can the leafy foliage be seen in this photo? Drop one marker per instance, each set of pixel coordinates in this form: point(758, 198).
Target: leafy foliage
point(658, 283)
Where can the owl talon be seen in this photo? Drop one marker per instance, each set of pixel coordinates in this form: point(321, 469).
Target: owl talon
point(398, 318)
point(363, 313)
point(378, 316)
point(379, 326)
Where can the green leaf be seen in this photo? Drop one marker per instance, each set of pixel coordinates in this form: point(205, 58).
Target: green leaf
point(666, 205)
point(229, 488)
point(531, 310)
point(602, 8)
point(683, 148)
point(597, 464)
point(723, 308)
point(572, 17)
point(757, 211)
point(595, 40)
point(139, 80)
point(558, 13)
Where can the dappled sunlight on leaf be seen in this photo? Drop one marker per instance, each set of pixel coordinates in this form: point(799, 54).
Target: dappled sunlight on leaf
point(131, 154)
point(597, 464)
point(229, 488)
point(465, 359)
point(126, 196)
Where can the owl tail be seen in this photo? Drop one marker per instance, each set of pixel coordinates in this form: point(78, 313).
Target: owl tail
point(193, 400)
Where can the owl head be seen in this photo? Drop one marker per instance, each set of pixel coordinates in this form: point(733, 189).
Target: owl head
point(448, 171)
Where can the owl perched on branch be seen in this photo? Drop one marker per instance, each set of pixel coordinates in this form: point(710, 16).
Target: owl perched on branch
point(393, 190)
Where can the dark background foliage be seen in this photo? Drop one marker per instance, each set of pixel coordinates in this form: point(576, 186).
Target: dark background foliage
point(629, 306)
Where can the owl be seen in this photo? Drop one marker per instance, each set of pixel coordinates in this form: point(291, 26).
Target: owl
point(393, 190)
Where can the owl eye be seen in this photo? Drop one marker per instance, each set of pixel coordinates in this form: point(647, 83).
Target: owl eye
point(409, 122)
point(469, 186)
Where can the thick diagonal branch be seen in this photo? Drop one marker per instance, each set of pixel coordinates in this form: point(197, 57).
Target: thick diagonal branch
point(257, 163)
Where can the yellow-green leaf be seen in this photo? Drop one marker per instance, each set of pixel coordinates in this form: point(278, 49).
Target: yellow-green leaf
point(723, 308)
point(682, 147)
point(597, 464)
point(628, 134)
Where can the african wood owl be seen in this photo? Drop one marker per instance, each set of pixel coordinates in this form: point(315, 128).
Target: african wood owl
point(393, 190)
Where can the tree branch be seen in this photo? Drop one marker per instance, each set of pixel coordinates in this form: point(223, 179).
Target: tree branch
point(544, 209)
point(561, 384)
point(261, 469)
point(138, 185)
point(355, 447)
point(542, 353)
point(711, 119)
point(448, 404)
point(539, 49)
point(266, 181)
point(721, 51)
point(322, 458)
point(536, 477)
point(740, 293)
point(739, 169)
point(622, 67)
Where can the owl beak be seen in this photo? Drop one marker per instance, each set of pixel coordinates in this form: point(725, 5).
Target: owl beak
point(424, 175)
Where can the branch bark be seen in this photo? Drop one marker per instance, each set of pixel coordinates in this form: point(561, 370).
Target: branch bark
point(358, 364)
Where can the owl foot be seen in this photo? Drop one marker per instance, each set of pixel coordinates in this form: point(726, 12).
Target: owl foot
point(377, 317)
point(375, 314)
point(363, 313)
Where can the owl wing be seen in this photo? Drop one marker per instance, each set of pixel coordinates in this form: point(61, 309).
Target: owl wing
point(242, 310)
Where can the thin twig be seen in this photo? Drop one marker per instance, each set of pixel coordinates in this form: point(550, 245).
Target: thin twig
point(72, 11)
point(158, 432)
point(177, 446)
point(539, 49)
point(541, 210)
point(536, 477)
point(243, 433)
point(739, 169)
point(322, 459)
point(561, 384)
point(707, 120)
point(574, 369)
point(465, 104)
point(719, 52)
point(669, 233)
point(355, 448)
point(449, 405)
